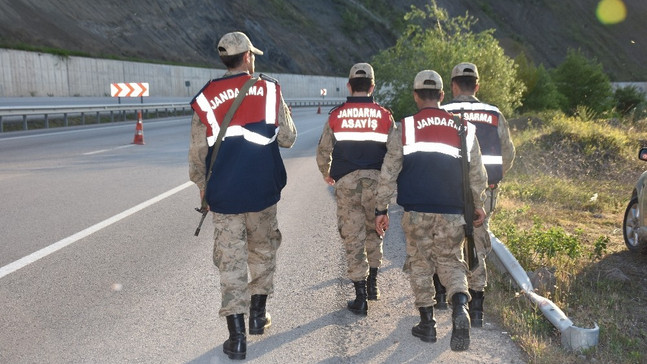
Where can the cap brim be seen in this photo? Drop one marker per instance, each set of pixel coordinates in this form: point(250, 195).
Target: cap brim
point(256, 51)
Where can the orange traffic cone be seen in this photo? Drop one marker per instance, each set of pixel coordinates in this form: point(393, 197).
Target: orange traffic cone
point(319, 109)
point(139, 130)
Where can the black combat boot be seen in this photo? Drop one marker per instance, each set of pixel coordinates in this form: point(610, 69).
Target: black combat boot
point(373, 293)
point(460, 323)
point(236, 346)
point(426, 328)
point(441, 294)
point(259, 319)
point(359, 306)
point(476, 308)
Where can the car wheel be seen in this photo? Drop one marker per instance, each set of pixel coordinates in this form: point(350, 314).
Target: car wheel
point(630, 226)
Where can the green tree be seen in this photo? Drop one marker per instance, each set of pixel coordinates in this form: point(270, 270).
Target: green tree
point(544, 94)
point(433, 40)
point(627, 99)
point(583, 82)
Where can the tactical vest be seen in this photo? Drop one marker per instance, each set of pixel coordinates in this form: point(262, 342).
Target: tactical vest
point(431, 177)
point(360, 127)
point(486, 119)
point(248, 174)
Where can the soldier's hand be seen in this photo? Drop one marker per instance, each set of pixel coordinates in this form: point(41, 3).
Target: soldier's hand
point(381, 224)
point(329, 180)
point(479, 217)
point(202, 197)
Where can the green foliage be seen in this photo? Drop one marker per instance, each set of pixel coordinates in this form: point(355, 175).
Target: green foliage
point(583, 82)
point(433, 40)
point(599, 247)
point(627, 99)
point(538, 246)
point(541, 92)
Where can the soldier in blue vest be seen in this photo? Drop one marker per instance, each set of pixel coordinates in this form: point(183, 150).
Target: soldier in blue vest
point(245, 184)
point(498, 154)
point(424, 160)
point(349, 156)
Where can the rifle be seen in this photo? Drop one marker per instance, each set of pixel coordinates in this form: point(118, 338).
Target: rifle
point(204, 212)
point(470, 248)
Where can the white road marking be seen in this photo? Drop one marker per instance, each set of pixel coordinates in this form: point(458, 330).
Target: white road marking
point(31, 258)
point(107, 150)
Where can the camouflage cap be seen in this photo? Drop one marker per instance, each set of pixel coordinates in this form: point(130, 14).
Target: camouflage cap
point(236, 43)
point(428, 79)
point(361, 70)
point(465, 69)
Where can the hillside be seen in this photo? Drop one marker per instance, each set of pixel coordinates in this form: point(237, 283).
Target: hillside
point(314, 37)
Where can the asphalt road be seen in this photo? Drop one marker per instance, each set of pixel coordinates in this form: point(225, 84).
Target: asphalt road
point(98, 262)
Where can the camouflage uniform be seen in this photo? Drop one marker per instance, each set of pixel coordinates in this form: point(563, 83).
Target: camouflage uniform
point(478, 277)
point(241, 241)
point(355, 196)
point(434, 241)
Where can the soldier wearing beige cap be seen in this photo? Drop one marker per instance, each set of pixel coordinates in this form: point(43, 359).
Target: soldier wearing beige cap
point(349, 157)
point(498, 154)
point(243, 205)
point(423, 165)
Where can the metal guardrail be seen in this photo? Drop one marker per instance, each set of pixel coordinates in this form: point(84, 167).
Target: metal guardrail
point(44, 114)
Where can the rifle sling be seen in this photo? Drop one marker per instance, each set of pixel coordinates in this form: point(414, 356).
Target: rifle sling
point(223, 129)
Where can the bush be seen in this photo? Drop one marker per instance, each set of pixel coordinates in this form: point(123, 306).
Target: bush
point(583, 82)
point(627, 99)
point(544, 95)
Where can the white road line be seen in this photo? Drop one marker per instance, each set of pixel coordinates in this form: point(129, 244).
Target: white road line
point(31, 258)
point(107, 150)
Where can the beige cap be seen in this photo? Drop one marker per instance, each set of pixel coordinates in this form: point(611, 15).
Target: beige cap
point(428, 79)
point(361, 70)
point(465, 69)
point(236, 43)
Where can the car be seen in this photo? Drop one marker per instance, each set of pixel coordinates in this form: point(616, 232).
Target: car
point(634, 224)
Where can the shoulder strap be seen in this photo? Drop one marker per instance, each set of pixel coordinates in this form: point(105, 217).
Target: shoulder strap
point(223, 129)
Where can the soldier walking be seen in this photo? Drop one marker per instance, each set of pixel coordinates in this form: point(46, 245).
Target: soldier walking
point(244, 183)
point(349, 156)
point(497, 153)
point(423, 163)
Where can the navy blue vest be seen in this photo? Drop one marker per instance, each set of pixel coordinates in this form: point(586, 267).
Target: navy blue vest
point(361, 127)
point(248, 174)
point(431, 177)
point(486, 119)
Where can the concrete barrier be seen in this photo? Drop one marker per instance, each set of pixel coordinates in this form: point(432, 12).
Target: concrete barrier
point(24, 74)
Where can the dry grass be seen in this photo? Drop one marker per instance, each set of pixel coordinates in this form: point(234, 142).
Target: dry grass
point(574, 177)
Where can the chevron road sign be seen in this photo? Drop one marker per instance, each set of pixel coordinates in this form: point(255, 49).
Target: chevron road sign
point(131, 89)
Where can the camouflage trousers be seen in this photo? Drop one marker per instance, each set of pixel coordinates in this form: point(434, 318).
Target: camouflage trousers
point(477, 279)
point(434, 245)
point(356, 225)
point(241, 242)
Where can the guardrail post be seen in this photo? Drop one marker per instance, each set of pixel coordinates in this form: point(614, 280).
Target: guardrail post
point(1, 125)
point(24, 122)
point(46, 121)
point(98, 118)
point(82, 118)
point(65, 118)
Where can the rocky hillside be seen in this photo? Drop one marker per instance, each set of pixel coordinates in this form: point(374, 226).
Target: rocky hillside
point(314, 37)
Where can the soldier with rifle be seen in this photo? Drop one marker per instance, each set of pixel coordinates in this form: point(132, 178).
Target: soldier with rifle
point(423, 164)
point(238, 125)
point(498, 154)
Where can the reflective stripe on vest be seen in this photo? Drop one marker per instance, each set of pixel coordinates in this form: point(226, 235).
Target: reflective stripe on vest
point(217, 92)
point(412, 145)
point(488, 118)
